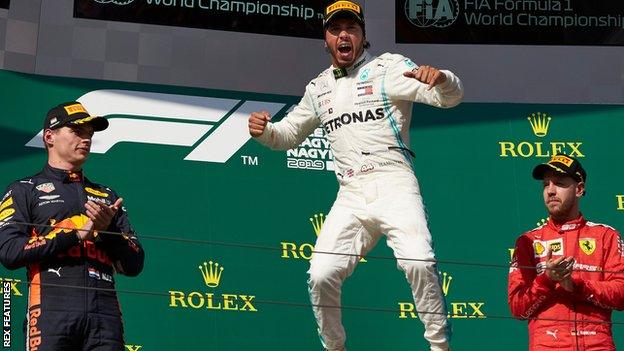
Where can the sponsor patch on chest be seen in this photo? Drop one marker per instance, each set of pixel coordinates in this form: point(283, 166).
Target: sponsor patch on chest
point(363, 116)
point(46, 187)
point(95, 192)
point(541, 247)
point(587, 245)
point(364, 90)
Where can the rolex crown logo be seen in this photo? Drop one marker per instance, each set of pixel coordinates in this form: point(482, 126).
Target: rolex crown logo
point(446, 282)
point(211, 273)
point(539, 123)
point(317, 223)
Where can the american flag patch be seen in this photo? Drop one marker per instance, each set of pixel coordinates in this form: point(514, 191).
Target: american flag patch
point(365, 90)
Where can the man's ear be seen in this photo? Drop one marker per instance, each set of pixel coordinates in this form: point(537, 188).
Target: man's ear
point(580, 189)
point(48, 137)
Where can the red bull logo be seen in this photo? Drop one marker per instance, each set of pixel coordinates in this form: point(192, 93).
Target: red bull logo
point(34, 333)
point(35, 242)
point(74, 177)
point(67, 225)
point(91, 251)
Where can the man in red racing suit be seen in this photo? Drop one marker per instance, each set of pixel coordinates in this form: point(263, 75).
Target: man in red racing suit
point(568, 274)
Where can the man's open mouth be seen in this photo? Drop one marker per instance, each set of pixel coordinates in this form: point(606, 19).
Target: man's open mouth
point(344, 48)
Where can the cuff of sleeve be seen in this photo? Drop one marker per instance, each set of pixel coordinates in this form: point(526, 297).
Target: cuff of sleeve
point(66, 241)
point(449, 80)
point(580, 288)
point(265, 138)
point(543, 280)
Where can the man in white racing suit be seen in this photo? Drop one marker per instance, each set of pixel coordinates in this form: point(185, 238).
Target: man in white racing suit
point(364, 104)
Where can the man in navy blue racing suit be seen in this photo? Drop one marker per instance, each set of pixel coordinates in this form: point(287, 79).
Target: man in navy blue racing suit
point(49, 223)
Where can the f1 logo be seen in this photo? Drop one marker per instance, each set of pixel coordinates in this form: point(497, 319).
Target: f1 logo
point(180, 120)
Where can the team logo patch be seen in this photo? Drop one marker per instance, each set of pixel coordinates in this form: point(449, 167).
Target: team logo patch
point(569, 226)
point(74, 177)
point(556, 247)
point(6, 213)
point(75, 108)
point(367, 168)
point(588, 245)
point(539, 248)
point(49, 197)
point(540, 267)
point(46, 187)
point(364, 74)
point(561, 159)
point(7, 203)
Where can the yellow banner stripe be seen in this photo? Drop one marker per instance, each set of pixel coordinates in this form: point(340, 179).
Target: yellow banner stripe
point(75, 108)
point(562, 159)
point(7, 203)
point(342, 5)
point(4, 214)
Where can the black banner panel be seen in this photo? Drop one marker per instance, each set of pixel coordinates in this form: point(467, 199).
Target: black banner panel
point(523, 22)
point(294, 18)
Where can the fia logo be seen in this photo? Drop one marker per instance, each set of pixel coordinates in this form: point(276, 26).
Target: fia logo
point(183, 120)
point(431, 13)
